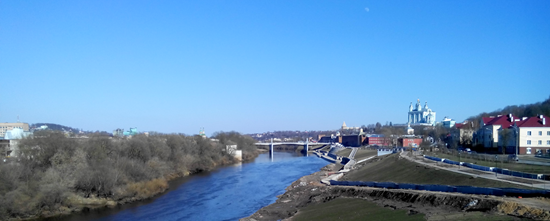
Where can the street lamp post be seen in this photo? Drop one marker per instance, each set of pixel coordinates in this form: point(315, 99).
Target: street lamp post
point(459, 160)
point(490, 138)
point(517, 141)
point(496, 158)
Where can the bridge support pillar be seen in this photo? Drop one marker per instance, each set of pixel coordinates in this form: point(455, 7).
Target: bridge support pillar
point(306, 148)
point(271, 149)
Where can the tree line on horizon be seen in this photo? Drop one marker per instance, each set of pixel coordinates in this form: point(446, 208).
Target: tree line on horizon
point(53, 172)
point(524, 110)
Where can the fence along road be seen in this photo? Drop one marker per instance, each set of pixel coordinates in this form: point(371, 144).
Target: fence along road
point(542, 184)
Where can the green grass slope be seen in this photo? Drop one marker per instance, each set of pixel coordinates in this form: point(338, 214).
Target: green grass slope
point(352, 209)
point(526, 168)
point(361, 153)
point(391, 168)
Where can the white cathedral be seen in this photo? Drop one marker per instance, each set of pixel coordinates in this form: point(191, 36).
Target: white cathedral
point(421, 116)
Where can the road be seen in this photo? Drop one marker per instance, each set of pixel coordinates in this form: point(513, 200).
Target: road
point(417, 158)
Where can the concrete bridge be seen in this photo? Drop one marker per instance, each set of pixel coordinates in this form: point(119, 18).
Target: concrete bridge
point(291, 143)
point(305, 144)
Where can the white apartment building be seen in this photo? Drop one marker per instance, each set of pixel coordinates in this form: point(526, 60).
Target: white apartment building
point(527, 135)
point(5, 127)
point(534, 135)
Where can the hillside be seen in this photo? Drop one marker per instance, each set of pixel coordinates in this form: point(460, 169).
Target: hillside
point(525, 110)
point(392, 168)
point(55, 127)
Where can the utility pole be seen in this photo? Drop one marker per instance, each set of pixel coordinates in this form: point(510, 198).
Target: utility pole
point(496, 159)
point(517, 141)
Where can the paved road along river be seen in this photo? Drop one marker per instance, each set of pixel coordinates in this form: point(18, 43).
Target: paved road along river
point(228, 193)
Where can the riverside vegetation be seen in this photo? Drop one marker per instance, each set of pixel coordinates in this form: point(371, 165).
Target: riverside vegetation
point(54, 174)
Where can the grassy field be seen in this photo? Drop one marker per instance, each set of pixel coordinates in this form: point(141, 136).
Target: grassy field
point(364, 153)
point(536, 169)
point(359, 209)
point(352, 209)
point(393, 169)
point(344, 152)
point(361, 153)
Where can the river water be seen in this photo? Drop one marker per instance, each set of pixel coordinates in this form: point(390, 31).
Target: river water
point(228, 193)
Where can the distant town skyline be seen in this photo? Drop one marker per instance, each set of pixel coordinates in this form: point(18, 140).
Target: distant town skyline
point(257, 66)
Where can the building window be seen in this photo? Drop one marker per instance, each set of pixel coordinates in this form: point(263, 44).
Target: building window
point(540, 133)
point(548, 142)
point(528, 133)
point(528, 142)
point(540, 142)
point(548, 133)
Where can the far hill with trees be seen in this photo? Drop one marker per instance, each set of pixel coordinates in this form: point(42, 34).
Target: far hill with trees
point(524, 110)
point(62, 128)
point(55, 127)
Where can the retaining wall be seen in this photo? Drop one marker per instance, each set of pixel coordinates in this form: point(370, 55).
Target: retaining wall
point(448, 189)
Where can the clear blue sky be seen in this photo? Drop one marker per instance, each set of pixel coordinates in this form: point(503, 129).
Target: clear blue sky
point(257, 66)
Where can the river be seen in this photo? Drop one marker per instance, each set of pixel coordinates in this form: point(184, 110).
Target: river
point(228, 193)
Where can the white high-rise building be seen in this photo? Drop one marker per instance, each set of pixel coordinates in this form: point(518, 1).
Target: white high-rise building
point(5, 127)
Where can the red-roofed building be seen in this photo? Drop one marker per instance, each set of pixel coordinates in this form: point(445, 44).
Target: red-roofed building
point(409, 141)
point(376, 140)
point(502, 132)
point(488, 134)
point(464, 131)
point(534, 135)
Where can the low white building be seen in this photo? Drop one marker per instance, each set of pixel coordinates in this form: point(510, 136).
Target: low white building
point(409, 130)
point(448, 122)
point(232, 150)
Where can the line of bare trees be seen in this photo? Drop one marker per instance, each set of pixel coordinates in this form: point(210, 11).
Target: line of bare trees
point(53, 172)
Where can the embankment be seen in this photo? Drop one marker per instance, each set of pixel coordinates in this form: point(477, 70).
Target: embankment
point(308, 191)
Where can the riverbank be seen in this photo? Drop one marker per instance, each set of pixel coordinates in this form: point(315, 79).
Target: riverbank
point(144, 191)
point(307, 192)
point(226, 190)
point(69, 175)
point(296, 196)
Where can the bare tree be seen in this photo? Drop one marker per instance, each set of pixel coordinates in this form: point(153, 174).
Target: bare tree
point(388, 136)
point(505, 136)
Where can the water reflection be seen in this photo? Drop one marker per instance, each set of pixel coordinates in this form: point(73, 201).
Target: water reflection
point(228, 193)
